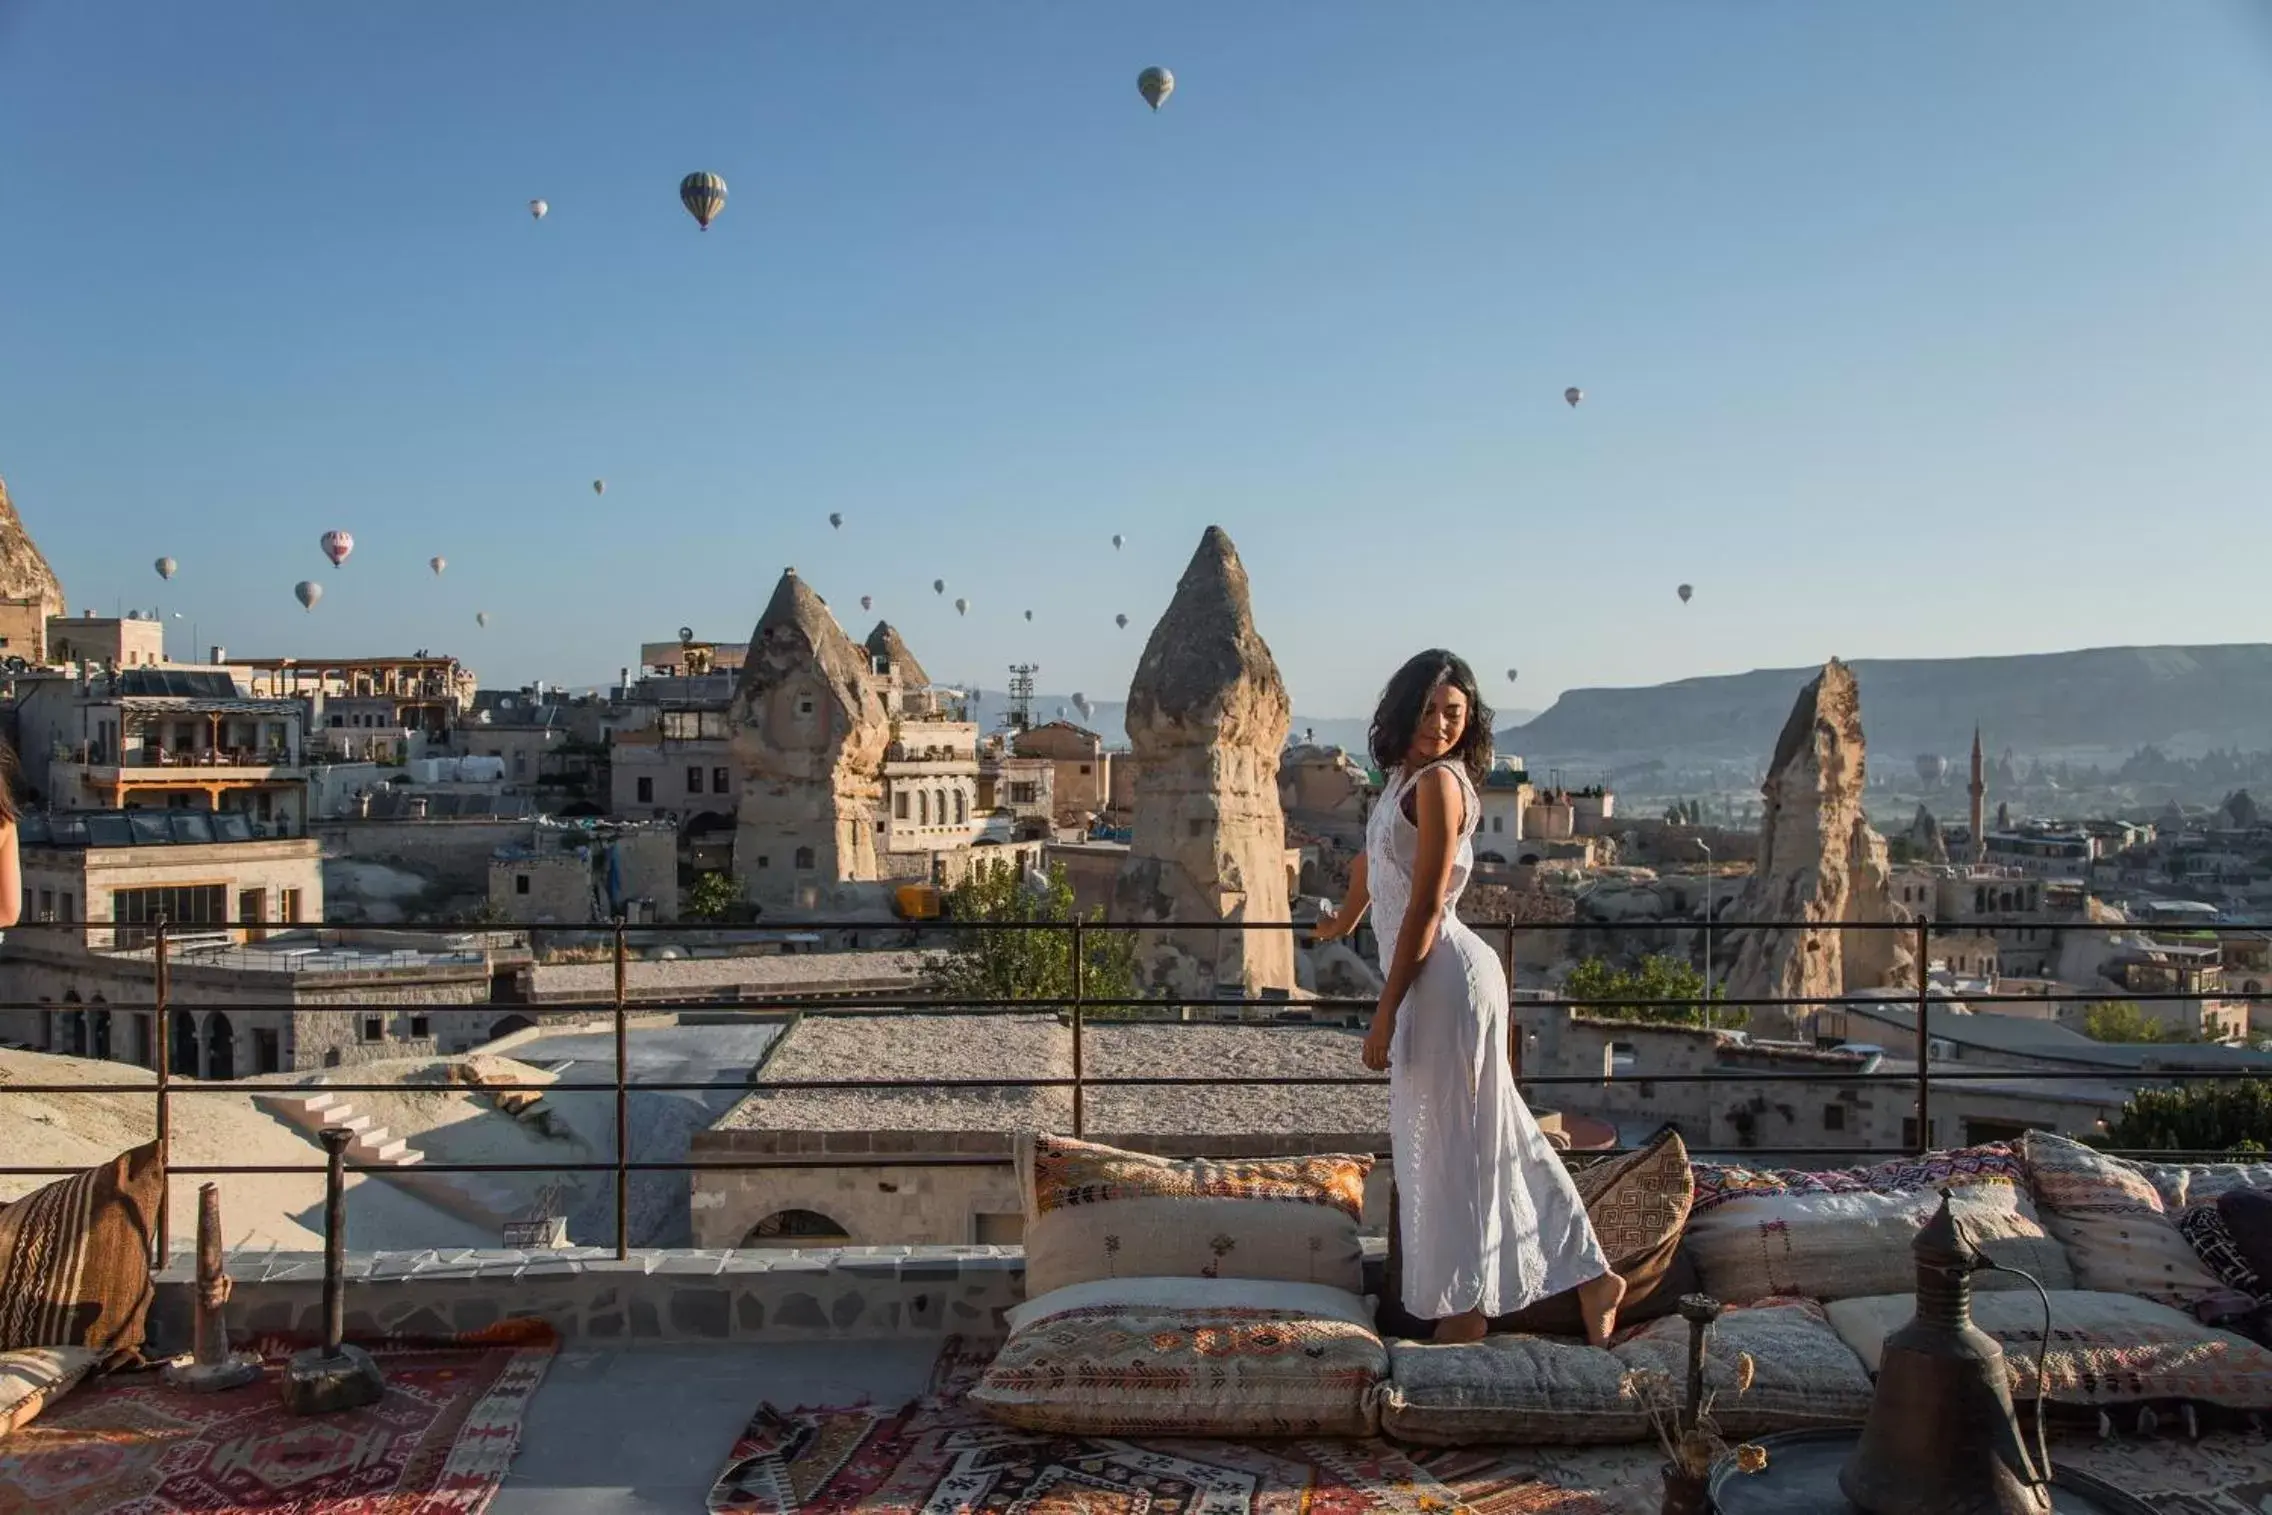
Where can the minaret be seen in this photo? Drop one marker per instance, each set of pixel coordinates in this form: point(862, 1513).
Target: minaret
point(1978, 789)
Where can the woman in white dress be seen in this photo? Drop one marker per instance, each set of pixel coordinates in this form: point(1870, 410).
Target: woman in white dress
point(1490, 1222)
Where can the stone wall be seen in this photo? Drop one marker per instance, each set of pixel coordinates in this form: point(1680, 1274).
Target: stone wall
point(454, 854)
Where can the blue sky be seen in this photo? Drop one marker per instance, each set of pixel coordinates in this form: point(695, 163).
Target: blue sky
point(1911, 330)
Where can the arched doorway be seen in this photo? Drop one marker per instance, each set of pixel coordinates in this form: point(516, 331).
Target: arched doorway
point(506, 1025)
point(142, 1048)
point(98, 1034)
point(220, 1047)
point(183, 1039)
point(797, 1228)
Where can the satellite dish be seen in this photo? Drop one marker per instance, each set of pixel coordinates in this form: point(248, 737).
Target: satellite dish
point(685, 636)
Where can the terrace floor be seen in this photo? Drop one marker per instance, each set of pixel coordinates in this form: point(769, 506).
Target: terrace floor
point(647, 1429)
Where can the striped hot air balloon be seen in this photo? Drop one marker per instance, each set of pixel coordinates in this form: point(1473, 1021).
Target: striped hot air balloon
point(336, 546)
point(703, 195)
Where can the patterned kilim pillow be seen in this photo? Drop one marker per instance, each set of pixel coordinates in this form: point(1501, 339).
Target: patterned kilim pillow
point(1847, 1233)
point(2105, 1348)
point(36, 1377)
point(2204, 1229)
point(1189, 1357)
point(2116, 1227)
point(75, 1258)
point(1099, 1212)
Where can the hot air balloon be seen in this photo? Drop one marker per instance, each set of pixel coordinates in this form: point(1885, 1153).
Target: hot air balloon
point(308, 591)
point(1121, 621)
point(938, 586)
point(336, 546)
point(962, 607)
point(1573, 394)
point(1155, 84)
point(166, 567)
point(481, 618)
point(1510, 675)
point(1685, 591)
point(1081, 703)
point(1029, 615)
point(836, 519)
point(437, 564)
point(867, 602)
point(537, 208)
point(1932, 768)
point(1117, 541)
point(599, 486)
point(1061, 712)
point(703, 195)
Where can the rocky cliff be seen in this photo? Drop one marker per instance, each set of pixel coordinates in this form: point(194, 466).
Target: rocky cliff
point(1818, 861)
point(2104, 700)
point(24, 574)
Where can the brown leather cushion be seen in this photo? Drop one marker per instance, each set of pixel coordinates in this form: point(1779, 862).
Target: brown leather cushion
point(1638, 1204)
point(75, 1258)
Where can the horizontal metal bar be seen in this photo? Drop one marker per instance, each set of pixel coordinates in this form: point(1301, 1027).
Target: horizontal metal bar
point(638, 935)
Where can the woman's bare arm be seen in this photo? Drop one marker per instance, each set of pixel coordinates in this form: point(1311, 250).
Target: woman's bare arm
point(11, 876)
point(1435, 798)
point(1353, 905)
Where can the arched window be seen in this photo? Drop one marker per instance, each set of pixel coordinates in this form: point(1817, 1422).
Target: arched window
point(962, 809)
point(804, 857)
point(797, 1228)
point(922, 807)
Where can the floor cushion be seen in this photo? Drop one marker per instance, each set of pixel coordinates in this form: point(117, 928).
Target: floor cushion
point(1846, 1233)
point(1638, 1203)
point(1100, 1212)
point(2246, 1217)
point(75, 1258)
point(2184, 1184)
point(1535, 1391)
point(2118, 1230)
point(35, 1377)
point(2105, 1348)
point(1190, 1357)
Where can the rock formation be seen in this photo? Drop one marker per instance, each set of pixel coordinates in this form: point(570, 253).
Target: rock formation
point(1818, 861)
point(1207, 716)
point(810, 731)
point(29, 589)
point(893, 657)
point(1926, 843)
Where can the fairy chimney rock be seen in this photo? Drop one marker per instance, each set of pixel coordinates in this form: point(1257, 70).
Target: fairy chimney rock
point(892, 657)
point(1927, 844)
point(809, 736)
point(29, 590)
point(1207, 718)
point(1819, 860)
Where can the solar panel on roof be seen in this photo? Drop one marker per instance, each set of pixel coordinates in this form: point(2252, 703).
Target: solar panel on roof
point(175, 683)
point(232, 828)
point(31, 830)
point(192, 826)
point(110, 830)
point(150, 826)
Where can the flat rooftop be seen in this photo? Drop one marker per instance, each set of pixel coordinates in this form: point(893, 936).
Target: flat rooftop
point(948, 1047)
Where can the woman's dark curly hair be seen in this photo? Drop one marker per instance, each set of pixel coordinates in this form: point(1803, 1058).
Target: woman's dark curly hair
point(1398, 714)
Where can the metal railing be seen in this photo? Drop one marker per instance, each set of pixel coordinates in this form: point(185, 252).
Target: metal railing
point(162, 955)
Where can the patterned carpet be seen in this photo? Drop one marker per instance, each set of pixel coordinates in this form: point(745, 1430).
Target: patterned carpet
point(437, 1444)
point(939, 1454)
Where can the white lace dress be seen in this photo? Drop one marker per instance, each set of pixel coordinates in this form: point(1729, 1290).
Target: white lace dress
point(1489, 1219)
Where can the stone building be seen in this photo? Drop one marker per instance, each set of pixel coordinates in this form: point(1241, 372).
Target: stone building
point(576, 875)
point(104, 641)
point(811, 727)
point(1081, 785)
point(868, 1204)
point(1207, 717)
point(30, 593)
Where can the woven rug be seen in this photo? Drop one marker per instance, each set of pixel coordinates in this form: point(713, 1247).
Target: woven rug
point(437, 1444)
point(938, 1454)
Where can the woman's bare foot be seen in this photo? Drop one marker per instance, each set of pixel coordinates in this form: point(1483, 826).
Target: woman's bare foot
point(1598, 1300)
point(1455, 1330)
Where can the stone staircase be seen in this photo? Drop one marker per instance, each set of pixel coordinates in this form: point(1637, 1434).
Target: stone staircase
point(476, 1197)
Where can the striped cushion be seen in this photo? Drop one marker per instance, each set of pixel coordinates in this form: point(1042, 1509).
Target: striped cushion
point(75, 1258)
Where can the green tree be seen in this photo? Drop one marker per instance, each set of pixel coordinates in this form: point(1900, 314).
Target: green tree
point(718, 899)
point(2122, 1021)
point(2221, 1117)
point(1022, 964)
point(1657, 977)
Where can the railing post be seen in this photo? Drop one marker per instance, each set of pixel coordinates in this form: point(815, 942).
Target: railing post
point(1079, 1115)
point(622, 1102)
point(1924, 1039)
point(161, 1019)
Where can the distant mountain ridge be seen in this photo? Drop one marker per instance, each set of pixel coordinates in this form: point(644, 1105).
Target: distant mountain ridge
point(2100, 702)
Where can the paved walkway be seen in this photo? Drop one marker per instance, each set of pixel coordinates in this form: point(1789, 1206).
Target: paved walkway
point(645, 1430)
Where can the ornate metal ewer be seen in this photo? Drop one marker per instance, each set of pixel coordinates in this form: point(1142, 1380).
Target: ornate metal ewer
point(1941, 1438)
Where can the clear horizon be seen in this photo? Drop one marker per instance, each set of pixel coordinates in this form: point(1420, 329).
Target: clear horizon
point(1912, 335)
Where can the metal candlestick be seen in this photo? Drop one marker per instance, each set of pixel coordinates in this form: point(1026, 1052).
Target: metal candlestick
point(212, 1367)
point(335, 1376)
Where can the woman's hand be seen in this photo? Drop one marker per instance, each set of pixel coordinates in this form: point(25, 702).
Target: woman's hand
point(1377, 1042)
point(1329, 928)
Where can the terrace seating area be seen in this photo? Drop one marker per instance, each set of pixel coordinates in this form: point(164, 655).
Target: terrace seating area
point(1238, 1301)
